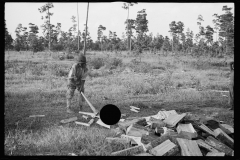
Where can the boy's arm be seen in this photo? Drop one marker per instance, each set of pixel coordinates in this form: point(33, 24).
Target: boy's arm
point(72, 73)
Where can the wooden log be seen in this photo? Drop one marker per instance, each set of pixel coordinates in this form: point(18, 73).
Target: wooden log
point(85, 124)
point(135, 107)
point(227, 128)
point(173, 119)
point(206, 129)
point(215, 154)
point(143, 154)
point(134, 140)
point(82, 123)
point(133, 131)
point(116, 139)
point(224, 138)
point(167, 148)
point(170, 135)
point(69, 120)
point(134, 110)
point(127, 123)
point(87, 113)
point(204, 145)
point(219, 145)
point(189, 147)
point(129, 151)
point(187, 129)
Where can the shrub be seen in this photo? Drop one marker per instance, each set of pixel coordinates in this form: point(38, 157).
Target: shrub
point(113, 63)
point(58, 70)
point(141, 67)
point(68, 56)
point(97, 63)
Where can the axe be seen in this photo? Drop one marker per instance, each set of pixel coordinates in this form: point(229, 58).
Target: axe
point(90, 105)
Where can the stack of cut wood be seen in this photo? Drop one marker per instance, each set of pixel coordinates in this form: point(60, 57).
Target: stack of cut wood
point(171, 134)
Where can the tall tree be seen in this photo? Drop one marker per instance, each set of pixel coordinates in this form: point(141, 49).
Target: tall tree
point(21, 37)
point(84, 48)
point(47, 25)
point(189, 39)
point(173, 31)
point(78, 28)
point(129, 34)
point(141, 27)
point(32, 37)
point(100, 34)
point(226, 25)
point(166, 45)
point(8, 38)
point(209, 35)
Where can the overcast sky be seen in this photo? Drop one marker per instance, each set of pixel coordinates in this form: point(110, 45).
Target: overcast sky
point(112, 16)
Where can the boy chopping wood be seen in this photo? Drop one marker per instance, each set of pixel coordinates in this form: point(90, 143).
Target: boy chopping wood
point(76, 79)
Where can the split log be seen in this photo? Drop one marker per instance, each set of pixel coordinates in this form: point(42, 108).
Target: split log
point(215, 154)
point(167, 148)
point(128, 151)
point(127, 123)
point(136, 132)
point(204, 145)
point(143, 154)
point(189, 147)
point(206, 129)
point(187, 129)
point(224, 138)
point(219, 145)
point(227, 128)
point(173, 119)
point(69, 120)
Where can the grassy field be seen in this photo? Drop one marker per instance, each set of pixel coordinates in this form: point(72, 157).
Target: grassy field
point(36, 85)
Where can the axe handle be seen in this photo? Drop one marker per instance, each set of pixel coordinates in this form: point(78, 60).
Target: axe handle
point(91, 106)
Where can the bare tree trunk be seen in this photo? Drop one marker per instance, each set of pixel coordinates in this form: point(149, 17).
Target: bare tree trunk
point(84, 49)
point(49, 31)
point(78, 27)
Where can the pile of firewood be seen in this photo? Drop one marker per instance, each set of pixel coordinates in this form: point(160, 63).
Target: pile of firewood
point(171, 134)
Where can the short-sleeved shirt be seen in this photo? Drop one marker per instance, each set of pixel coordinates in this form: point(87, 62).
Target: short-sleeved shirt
point(77, 74)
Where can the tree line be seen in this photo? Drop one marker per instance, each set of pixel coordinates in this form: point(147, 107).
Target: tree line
point(135, 38)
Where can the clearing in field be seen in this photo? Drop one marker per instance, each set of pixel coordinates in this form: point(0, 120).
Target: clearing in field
point(36, 85)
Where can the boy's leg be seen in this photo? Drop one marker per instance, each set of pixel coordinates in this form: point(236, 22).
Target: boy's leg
point(69, 95)
point(81, 99)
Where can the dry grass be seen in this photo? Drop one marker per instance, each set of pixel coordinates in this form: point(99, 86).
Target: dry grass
point(36, 84)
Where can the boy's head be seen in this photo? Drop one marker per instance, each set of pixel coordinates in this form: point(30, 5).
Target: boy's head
point(82, 60)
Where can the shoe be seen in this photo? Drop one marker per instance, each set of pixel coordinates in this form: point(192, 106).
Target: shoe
point(69, 111)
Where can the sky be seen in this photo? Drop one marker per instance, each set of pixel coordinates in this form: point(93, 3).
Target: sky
point(112, 16)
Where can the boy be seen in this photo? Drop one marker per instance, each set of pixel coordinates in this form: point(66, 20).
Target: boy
point(76, 80)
